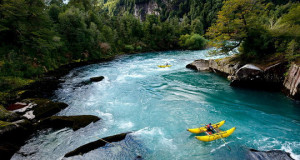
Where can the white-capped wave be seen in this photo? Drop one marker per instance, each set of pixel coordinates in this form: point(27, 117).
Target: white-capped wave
point(107, 116)
point(155, 134)
point(125, 125)
point(287, 147)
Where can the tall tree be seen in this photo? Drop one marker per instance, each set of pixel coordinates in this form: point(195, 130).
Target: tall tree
point(234, 24)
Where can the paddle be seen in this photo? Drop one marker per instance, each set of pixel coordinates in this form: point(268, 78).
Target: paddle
point(223, 140)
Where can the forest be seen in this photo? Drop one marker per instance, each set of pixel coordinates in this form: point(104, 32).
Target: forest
point(38, 36)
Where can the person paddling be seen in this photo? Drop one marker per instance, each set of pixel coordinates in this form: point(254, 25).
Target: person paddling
point(209, 128)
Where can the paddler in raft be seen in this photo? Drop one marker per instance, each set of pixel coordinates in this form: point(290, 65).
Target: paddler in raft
point(209, 129)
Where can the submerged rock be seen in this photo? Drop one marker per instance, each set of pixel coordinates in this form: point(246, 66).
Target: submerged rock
point(268, 155)
point(96, 79)
point(96, 144)
point(74, 122)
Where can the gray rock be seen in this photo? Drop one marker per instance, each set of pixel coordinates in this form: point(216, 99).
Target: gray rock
point(248, 71)
point(222, 66)
point(268, 155)
point(199, 65)
point(249, 76)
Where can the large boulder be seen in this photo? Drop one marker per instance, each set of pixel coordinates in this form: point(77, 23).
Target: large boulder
point(273, 75)
point(13, 136)
point(96, 144)
point(223, 66)
point(74, 122)
point(248, 76)
point(199, 65)
point(248, 71)
point(268, 155)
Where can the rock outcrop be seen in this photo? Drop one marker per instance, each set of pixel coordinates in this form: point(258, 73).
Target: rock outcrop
point(146, 8)
point(74, 122)
point(268, 155)
point(200, 65)
point(13, 136)
point(270, 77)
point(26, 106)
point(292, 82)
point(96, 144)
point(38, 108)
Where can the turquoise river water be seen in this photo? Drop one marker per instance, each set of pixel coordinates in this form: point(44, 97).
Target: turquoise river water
point(158, 104)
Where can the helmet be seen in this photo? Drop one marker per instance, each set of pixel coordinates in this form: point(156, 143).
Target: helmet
point(209, 123)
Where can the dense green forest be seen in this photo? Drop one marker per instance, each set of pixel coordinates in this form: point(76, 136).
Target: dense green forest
point(40, 35)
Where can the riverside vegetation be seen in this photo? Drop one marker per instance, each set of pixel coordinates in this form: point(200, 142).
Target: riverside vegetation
point(38, 36)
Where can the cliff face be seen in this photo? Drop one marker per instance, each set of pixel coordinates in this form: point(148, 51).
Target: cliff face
point(269, 77)
point(292, 82)
point(142, 9)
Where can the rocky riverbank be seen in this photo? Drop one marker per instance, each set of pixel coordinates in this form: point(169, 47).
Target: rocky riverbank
point(276, 76)
point(29, 109)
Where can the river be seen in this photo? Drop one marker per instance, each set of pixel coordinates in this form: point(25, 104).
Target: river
point(159, 104)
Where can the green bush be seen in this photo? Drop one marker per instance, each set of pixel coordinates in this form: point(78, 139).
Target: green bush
point(129, 48)
point(139, 48)
point(193, 41)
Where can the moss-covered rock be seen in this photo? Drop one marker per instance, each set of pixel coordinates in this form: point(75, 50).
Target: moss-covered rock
point(6, 115)
point(74, 122)
point(45, 107)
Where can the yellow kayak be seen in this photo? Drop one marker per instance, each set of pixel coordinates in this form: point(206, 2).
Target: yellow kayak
point(203, 129)
point(221, 134)
point(164, 66)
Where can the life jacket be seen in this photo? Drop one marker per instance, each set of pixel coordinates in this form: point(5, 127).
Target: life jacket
point(208, 126)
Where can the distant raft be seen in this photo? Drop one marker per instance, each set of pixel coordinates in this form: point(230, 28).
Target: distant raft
point(203, 129)
point(215, 136)
point(164, 66)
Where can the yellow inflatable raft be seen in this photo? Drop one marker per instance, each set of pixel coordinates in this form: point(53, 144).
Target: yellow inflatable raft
point(212, 137)
point(164, 66)
point(203, 129)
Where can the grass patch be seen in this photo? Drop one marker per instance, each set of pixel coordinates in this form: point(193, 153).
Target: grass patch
point(11, 83)
point(4, 124)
